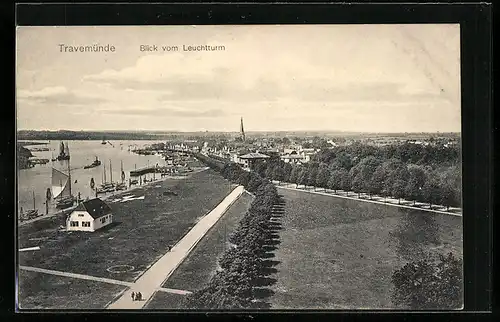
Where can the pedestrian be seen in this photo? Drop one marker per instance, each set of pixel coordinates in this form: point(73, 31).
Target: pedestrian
point(133, 296)
point(139, 296)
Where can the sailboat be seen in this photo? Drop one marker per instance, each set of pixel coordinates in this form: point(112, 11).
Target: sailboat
point(63, 153)
point(61, 188)
point(106, 186)
point(122, 185)
point(30, 214)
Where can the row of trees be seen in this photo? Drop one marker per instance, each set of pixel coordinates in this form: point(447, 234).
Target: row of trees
point(374, 176)
point(241, 266)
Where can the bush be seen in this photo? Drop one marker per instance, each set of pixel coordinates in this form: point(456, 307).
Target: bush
point(429, 284)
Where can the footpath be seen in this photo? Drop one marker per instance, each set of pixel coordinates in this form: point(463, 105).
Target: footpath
point(374, 199)
point(152, 280)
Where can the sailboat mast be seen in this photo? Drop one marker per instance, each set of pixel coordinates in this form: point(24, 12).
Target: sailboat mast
point(121, 170)
point(104, 173)
point(110, 171)
point(69, 175)
point(34, 204)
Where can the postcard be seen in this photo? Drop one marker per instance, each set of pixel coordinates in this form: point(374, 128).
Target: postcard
point(237, 167)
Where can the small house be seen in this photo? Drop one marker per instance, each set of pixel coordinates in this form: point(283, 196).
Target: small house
point(89, 215)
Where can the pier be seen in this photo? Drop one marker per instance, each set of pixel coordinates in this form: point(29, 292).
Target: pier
point(144, 170)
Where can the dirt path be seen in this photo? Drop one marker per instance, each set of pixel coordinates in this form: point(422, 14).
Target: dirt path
point(94, 278)
point(389, 203)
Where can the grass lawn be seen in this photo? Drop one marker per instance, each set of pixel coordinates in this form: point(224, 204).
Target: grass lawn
point(141, 232)
point(44, 291)
point(201, 263)
point(165, 301)
point(340, 254)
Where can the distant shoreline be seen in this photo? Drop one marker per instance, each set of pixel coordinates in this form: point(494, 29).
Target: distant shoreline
point(26, 143)
point(29, 135)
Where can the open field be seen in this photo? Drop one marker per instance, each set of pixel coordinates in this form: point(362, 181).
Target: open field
point(141, 232)
point(44, 291)
point(165, 301)
point(340, 253)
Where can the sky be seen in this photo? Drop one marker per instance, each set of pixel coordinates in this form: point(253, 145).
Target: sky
point(360, 78)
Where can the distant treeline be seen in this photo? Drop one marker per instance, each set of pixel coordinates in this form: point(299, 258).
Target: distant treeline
point(89, 135)
point(430, 174)
point(159, 135)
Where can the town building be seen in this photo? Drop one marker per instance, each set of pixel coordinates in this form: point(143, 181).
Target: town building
point(295, 158)
point(249, 160)
point(89, 215)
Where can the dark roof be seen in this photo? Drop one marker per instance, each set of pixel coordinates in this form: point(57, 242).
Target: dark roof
point(254, 155)
point(292, 156)
point(95, 207)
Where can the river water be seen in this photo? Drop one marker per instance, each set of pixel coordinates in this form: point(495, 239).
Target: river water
point(38, 178)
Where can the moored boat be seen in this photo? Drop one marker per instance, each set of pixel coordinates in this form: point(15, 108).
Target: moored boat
point(105, 186)
point(61, 188)
point(94, 164)
point(66, 202)
point(121, 186)
point(63, 153)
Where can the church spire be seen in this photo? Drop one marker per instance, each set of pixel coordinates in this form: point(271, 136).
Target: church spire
point(242, 131)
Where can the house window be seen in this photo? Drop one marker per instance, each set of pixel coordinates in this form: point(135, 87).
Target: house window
point(73, 224)
point(80, 215)
point(85, 223)
point(103, 220)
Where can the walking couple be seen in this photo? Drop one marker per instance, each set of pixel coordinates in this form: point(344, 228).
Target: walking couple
point(136, 296)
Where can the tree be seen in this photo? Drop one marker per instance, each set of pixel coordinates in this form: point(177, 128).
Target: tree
point(358, 184)
point(362, 173)
point(254, 182)
point(287, 170)
point(341, 161)
point(432, 192)
point(335, 180)
point(345, 180)
point(260, 167)
point(278, 173)
point(294, 175)
point(398, 189)
point(269, 171)
point(429, 284)
point(322, 176)
point(244, 178)
point(451, 186)
point(312, 174)
point(417, 177)
point(378, 180)
point(448, 196)
point(303, 176)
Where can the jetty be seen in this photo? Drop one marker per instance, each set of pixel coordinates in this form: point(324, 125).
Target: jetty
point(143, 171)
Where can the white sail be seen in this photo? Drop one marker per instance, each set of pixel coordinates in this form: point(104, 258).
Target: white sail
point(60, 184)
point(66, 149)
